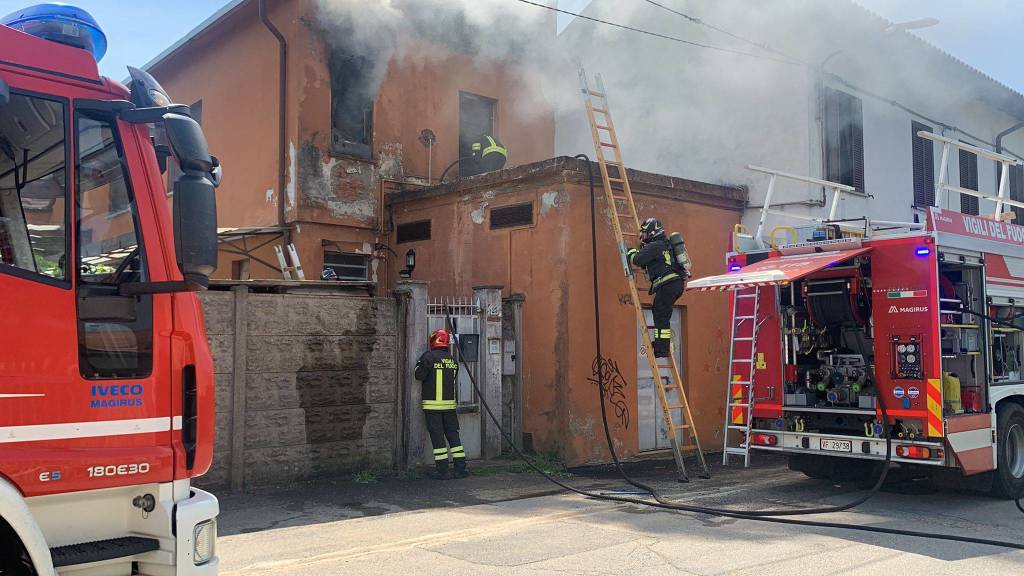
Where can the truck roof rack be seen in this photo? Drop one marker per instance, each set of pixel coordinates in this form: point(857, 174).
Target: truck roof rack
point(837, 189)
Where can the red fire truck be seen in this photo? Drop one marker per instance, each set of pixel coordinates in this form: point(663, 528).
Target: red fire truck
point(840, 318)
point(106, 379)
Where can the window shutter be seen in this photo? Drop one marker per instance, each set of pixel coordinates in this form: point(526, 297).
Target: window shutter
point(856, 151)
point(924, 166)
point(844, 138)
point(969, 180)
point(833, 120)
point(1016, 191)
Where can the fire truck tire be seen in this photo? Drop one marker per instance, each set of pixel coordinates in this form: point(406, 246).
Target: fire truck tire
point(1008, 481)
point(14, 560)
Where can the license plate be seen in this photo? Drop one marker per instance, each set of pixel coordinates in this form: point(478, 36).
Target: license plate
point(837, 445)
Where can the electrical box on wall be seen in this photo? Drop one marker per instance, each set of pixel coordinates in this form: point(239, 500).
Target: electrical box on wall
point(469, 347)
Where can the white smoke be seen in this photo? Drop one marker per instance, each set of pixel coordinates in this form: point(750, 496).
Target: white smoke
point(376, 31)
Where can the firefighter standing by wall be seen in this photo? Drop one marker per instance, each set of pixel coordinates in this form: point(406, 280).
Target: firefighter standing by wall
point(439, 372)
point(667, 273)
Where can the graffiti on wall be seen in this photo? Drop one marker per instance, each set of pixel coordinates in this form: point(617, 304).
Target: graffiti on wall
point(613, 389)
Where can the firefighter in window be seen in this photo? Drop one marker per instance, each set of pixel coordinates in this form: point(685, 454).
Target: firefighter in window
point(439, 372)
point(667, 265)
point(488, 155)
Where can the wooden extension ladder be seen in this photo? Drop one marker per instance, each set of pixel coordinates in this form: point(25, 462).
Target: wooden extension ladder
point(626, 222)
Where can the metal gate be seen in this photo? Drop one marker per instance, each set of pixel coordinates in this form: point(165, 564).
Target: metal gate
point(466, 317)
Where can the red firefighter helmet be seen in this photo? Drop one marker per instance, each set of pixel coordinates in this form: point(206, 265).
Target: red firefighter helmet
point(440, 338)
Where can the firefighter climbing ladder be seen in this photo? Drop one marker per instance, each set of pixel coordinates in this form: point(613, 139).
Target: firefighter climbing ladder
point(625, 222)
point(740, 399)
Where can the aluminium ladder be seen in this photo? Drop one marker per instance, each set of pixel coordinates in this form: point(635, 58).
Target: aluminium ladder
point(740, 400)
point(626, 222)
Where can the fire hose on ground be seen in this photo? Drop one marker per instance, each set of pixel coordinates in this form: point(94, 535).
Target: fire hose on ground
point(773, 516)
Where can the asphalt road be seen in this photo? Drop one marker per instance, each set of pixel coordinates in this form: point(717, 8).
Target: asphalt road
point(498, 524)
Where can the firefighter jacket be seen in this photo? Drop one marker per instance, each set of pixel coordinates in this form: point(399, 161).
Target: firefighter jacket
point(488, 145)
point(438, 372)
point(655, 257)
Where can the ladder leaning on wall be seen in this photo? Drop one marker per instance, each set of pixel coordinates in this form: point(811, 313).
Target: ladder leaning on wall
point(626, 222)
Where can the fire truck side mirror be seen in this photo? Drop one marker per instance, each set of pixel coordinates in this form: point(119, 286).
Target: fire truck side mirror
point(195, 205)
point(5, 93)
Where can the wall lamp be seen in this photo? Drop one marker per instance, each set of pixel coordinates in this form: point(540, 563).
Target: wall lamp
point(410, 264)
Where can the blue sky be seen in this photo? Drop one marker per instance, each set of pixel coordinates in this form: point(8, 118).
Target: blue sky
point(137, 30)
point(985, 35)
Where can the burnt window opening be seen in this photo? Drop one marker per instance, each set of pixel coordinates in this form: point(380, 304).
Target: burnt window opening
point(924, 166)
point(512, 216)
point(968, 180)
point(476, 119)
point(348, 266)
point(844, 139)
point(352, 94)
point(414, 231)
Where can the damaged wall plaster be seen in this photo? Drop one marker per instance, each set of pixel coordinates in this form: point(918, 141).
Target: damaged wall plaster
point(343, 186)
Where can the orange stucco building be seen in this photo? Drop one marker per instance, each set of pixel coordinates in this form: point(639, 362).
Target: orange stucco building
point(528, 230)
point(324, 189)
point(350, 185)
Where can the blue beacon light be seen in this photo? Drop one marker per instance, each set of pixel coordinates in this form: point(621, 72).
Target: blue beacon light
point(923, 251)
point(60, 23)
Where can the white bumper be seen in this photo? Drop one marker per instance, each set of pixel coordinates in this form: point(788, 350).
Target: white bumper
point(199, 508)
point(861, 447)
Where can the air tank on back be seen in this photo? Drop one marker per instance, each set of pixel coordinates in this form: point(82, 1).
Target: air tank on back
point(679, 251)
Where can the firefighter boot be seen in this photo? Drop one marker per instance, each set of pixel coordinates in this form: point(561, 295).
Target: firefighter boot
point(662, 347)
point(460, 468)
point(441, 471)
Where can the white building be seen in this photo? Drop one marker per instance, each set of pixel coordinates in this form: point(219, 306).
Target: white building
point(824, 89)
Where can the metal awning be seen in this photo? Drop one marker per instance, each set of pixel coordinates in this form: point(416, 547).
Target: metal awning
point(775, 271)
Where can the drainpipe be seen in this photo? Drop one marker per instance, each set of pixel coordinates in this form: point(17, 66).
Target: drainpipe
point(282, 110)
point(999, 137)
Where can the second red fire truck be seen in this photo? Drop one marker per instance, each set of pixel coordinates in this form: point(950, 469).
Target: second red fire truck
point(835, 321)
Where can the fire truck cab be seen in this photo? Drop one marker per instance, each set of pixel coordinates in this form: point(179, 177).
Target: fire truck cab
point(106, 379)
point(841, 321)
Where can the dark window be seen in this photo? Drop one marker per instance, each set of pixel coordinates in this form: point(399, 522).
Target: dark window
point(1014, 189)
point(348, 266)
point(114, 331)
point(924, 166)
point(351, 103)
point(969, 180)
point(844, 139)
point(33, 195)
point(511, 216)
point(476, 119)
point(414, 231)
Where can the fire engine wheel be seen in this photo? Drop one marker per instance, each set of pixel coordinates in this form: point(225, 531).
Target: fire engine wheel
point(1009, 476)
point(16, 564)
